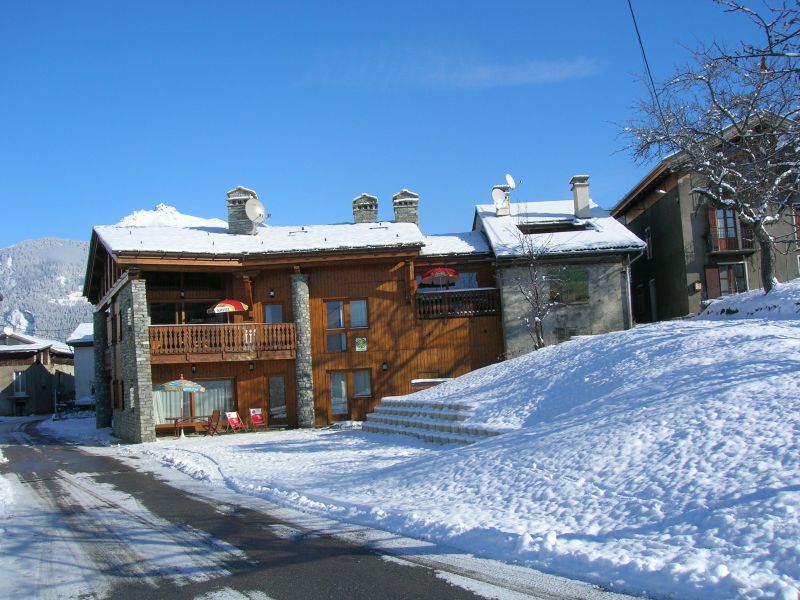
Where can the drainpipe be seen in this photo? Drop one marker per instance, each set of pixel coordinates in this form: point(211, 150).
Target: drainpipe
point(629, 301)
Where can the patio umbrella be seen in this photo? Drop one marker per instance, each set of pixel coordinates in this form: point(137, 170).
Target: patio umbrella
point(227, 306)
point(179, 385)
point(440, 276)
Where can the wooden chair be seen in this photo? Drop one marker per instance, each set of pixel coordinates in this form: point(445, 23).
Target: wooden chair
point(257, 418)
point(234, 422)
point(213, 423)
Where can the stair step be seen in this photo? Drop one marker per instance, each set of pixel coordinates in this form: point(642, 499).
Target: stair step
point(437, 425)
point(451, 415)
point(394, 401)
point(436, 437)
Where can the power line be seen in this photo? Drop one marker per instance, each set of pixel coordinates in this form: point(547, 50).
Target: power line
point(646, 63)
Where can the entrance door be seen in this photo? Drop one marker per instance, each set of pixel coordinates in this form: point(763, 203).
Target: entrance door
point(277, 400)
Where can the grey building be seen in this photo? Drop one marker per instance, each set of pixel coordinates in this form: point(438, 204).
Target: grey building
point(694, 252)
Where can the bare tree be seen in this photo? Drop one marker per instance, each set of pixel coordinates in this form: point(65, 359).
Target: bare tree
point(730, 119)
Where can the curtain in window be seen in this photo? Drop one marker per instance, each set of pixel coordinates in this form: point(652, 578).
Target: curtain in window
point(334, 315)
point(216, 397)
point(168, 405)
point(358, 313)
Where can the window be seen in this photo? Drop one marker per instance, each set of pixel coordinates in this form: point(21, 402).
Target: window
point(218, 396)
point(362, 384)
point(466, 280)
point(343, 315)
point(273, 313)
point(277, 397)
point(346, 385)
point(569, 285)
point(19, 383)
point(732, 279)
point(339, 393)
point(726, 224)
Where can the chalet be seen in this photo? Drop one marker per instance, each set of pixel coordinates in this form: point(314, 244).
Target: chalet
point(694, 252)
point(35, 373)
point(582, 257)
point(337, 316)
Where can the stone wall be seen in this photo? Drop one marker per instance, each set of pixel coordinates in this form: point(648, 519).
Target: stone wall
point(303, 362)
point(606, 310)
point(102, 393)
point(134, 421)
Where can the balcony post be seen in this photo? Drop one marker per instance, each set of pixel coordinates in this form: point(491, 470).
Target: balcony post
point(302, 363)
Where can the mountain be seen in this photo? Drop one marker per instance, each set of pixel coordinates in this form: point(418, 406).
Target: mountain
point(41, 282)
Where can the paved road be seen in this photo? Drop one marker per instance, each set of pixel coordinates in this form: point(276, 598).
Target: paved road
point(126, 534)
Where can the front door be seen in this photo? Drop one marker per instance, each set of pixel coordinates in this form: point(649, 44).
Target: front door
point(277, 400)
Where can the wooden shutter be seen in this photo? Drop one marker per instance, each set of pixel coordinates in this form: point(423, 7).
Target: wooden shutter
point(712, 282)
point(712, 230)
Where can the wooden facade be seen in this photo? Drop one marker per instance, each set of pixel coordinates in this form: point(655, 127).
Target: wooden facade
point(399, 335)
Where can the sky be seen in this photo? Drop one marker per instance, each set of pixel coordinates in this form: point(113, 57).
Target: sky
point(110, 107)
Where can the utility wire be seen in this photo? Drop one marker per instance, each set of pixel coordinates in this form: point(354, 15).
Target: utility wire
point(646, 63)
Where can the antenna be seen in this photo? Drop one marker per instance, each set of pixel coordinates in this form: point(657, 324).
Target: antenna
point(499, 196)
point(255, 210)
point(510, 181)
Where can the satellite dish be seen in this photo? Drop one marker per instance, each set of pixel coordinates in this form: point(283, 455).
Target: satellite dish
point(255, 210)
point(499, 196)
point(510, 181)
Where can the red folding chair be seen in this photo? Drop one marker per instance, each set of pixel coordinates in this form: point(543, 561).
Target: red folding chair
point(257, 418)
point(234, 421)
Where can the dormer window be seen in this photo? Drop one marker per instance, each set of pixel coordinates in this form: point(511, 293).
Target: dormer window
point(553, 227)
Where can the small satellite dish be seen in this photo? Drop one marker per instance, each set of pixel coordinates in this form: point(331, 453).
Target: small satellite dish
point(255, 210)
point(510, 181)
point(499, 196)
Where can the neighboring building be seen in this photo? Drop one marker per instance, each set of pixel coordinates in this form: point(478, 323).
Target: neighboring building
point(694, 252)
point(334, 320)
point(585, 253)
point(82, 342)
point(34, 374)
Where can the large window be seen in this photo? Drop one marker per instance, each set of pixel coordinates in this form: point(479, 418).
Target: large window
point(341, 316)
point(569, 285)
point(273, 313)
point(169, 405)
point(349, 384)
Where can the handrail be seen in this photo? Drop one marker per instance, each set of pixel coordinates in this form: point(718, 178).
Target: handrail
point(449, 304)
point(221, 338)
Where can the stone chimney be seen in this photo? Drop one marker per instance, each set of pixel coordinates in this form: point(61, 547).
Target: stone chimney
point(580, 196)
point(365, 209)
point(503, 209)
point(406, 207)
point(238, 222)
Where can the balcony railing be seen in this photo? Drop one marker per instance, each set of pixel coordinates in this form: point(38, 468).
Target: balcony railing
point(239, 341)
point(448, 304)
point(739, 241)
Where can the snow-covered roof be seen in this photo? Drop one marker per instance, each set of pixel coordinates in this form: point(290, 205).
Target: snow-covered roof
point(600, 233)
point(29, 343)
point(82, 336)
point(168, 231)
point(468, 242)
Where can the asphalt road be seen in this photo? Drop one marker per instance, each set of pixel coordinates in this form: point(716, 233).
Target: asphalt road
point(132, 535)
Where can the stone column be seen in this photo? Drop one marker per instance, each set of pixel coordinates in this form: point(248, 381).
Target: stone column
point(102, 395)
point(134, 422)
point(302, 362)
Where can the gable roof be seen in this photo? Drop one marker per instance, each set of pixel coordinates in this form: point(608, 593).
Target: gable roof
point(598, 234)
point(13, 342)
point(82, 336)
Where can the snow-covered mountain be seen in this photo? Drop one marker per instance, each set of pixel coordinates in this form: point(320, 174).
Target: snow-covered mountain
point(41, 282)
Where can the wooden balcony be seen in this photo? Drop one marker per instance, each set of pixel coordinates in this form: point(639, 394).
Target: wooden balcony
point(211, 343)
point(450, 304)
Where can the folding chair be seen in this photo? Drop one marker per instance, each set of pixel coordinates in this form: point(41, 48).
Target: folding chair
point(234, 421)
point(257, 418)
point(213, 423)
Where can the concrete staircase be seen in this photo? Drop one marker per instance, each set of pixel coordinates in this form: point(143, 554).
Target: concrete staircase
point(438, 422)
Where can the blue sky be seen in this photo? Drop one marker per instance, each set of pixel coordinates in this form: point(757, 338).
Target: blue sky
point(111, 107)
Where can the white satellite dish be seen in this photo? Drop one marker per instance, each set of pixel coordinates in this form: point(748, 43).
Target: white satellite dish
point(255, 210)
point(510, 181)
point(499, 196)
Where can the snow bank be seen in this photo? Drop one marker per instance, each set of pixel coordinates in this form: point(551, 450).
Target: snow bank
point(783, 302)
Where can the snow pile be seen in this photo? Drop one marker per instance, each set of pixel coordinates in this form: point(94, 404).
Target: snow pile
point(663, 460)
point(783, 302)
point(167, 216)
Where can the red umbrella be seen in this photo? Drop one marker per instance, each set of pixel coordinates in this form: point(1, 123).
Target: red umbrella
point(227, 306)
point(441, 276)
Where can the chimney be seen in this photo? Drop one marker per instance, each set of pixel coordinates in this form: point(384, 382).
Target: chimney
point(580, 196)
point(365, 209)
point(406, 207)
point(502, 208)
point(238, 221)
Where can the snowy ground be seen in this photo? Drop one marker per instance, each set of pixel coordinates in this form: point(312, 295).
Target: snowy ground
point(664, 459)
